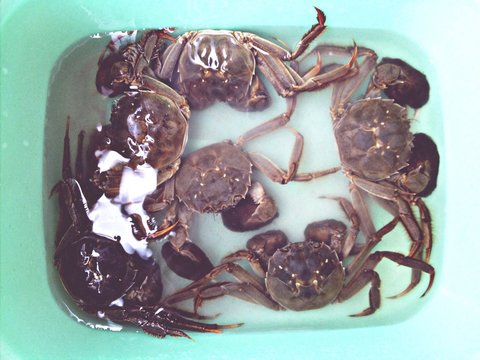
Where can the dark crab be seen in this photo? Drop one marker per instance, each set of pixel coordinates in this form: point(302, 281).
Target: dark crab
point(149, 125)
point(218, 65)
point(124, 61)
point(217, 179)
point(401, 82)
point(376, 147)
point(107, 281)
point(302, 275)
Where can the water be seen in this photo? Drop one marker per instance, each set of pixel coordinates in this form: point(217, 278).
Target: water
point(72, 93)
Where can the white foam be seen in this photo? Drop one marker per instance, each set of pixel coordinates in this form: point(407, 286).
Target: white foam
point(108, 159)
point(107, 215)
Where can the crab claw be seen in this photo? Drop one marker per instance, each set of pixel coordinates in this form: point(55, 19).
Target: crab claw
point(188, 261)
point(315, 31)
point(321, 17)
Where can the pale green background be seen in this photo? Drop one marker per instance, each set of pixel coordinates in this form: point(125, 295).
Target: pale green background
point(33, 36)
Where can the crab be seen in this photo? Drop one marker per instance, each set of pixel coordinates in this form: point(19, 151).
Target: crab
point(376, 150)
point(107, 280)
point(124, 61)
point(219, 65)
point(148, 126)
point(217, 179)
point(303, 275)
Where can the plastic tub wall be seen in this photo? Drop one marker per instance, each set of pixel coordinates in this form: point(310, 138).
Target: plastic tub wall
point(33, 37)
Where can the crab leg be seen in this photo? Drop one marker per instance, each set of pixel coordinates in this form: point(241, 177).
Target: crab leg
point(354, 219)
point(172, 54)
point(312, 82)
point(372, 240)
point(426, 222)
point(366, 274)
point(278, 74)
point(161, 321)
point(183, 256)
point(161, 198)
point(265, 165)
point(392, 193)
point(416, 250)
point(243, 291)
point(269, 126)
point(250, 257)
point(414, 280)
point(192, 289)
point(343, 90)
point(276, 174)
point(265, 46)
point(423, 239)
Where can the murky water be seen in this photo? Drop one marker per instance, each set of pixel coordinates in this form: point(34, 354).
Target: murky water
point(72, 93)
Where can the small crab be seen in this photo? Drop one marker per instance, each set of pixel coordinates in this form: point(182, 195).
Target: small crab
point(107, 281)
point(375, 146)
point(217, 179)
point(219, 65)
point(148, 125)
point(124, 61)
point(302, 275)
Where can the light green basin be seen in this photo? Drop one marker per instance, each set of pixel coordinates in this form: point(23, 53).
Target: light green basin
point(34, 34)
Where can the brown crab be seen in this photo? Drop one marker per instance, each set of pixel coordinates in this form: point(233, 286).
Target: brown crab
point(302, 275)
point(124, 61)
point(148, 126)
point(375, 146)
point(217, 178)
point(218, 65)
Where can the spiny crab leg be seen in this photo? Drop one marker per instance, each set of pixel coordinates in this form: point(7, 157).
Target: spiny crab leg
point(372, 241)
point(265, 165)
point(354, 219)
point(421, 235)
point(392, 193)
point(270, 125)
point(426, 222)
point(343, 90)
point(251, 288)
point(367, 274)
point(313, 81)
point(162, 232)
point(416, 250)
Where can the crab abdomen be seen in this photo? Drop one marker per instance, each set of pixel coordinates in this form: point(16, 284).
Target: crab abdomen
point(374, 138)
point(214, 178)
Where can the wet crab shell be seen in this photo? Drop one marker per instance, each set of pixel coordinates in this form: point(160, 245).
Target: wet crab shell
point(214, 178)
point(148, 125)
point(95, 270)
point(215, 65)
point(374, 139)
point(304, 276)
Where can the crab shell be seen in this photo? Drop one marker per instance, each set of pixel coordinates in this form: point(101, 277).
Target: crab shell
point(215, 65)
point(96, 271)
point(214, 178)
point(374, 139)
point(146, 124)
point(305, 275)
